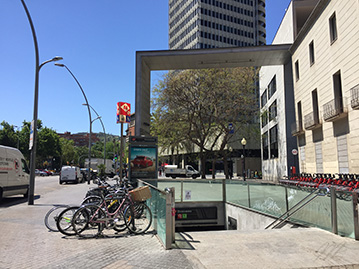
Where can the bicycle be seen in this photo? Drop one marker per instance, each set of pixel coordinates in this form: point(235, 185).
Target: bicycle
point(52, 216)
point(139, 219)
point(90, 220)
point(63, 221)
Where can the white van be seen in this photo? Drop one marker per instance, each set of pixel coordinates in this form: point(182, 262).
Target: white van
point(71, 174)
point(14, 173)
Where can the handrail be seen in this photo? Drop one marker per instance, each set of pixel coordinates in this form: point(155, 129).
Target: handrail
point(317, 192)
point(151, 186)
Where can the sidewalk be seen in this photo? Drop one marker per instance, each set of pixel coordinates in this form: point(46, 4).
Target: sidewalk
point(287, 248)
point(26, 243)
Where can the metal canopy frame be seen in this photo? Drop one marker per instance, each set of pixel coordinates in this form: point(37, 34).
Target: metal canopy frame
point(147, 61)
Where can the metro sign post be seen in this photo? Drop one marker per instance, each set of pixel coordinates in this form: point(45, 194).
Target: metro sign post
point(123, 113)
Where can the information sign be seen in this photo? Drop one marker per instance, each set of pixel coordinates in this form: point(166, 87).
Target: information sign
point(31, 142)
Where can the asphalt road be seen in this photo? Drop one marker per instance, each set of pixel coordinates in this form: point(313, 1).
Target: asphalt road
point(43, 185)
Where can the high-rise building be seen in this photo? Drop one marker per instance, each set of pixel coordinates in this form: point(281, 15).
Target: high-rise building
point(200, 24)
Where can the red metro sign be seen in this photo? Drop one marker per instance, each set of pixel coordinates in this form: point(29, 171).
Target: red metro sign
point(123, 112)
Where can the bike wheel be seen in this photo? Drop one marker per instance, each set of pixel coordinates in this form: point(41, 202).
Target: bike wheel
point(51, 217)
point(97, 200)
point(120, 224)
point(138, 218)
point(89, 221)
point(64, 219)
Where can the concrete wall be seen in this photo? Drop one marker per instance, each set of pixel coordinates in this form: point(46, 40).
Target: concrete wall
point(143, 97)
point(247, 219)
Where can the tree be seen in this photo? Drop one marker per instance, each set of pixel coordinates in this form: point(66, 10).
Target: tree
point(198, 105)
point(81, 153)
point(97, 150)
point(48, 146)
point(8, 136)
point(68, 151)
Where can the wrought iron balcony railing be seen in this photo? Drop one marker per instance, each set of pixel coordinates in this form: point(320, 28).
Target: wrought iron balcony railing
point(297, 128)
point(334, 109)
point(311, 121)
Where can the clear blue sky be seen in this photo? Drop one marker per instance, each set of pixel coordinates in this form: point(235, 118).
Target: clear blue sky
point(98, 41)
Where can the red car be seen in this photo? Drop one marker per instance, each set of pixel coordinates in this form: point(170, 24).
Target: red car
point(142, 161)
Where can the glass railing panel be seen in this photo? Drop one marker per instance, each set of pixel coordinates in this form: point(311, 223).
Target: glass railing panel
point(237, 192)
point(268, 198)
point(157, 204)
point(345, 216)
point(204, 190)
point(295, 195)
point(163, 184)
point(194, 190)
point(316, 213)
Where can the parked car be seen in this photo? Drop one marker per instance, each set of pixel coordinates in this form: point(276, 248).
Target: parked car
point(14, 173)
point(40, 173)
point(71, 174)
point(48, 172)
point(173, 171)
point(142, 161)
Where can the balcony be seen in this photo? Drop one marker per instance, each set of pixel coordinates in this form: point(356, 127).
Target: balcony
point(297, 128)
point(334, 110)
point(355, 97)
point(311, 121)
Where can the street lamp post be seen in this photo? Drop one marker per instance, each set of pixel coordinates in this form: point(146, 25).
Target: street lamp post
point(89, 111)
point(244, 142)
point(104, 131)
point(36, 94)
point(230, 163)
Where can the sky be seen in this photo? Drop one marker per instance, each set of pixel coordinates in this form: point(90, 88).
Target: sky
point(98, 41)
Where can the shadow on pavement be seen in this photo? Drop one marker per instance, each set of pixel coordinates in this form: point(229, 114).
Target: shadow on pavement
point(15, 200)
point(112, 235)
point(181, 242)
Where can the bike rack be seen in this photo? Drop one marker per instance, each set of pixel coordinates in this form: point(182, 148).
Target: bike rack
point(318, 192)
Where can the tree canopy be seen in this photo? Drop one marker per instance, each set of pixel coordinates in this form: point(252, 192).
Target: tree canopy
point(51, 149)
point(202, 106)
point(48, 141)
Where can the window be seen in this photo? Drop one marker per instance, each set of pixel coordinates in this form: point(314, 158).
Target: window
point(264, 98)
point(24, 166)
point(264, 118)
point(273, 111)
point(296, 70)
point(300, 116)
point(338, 95)
point(333, 28)
point(311, 53)
point(273, 132)
point(315, 106)
point(272, 87)
point(265, 145)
